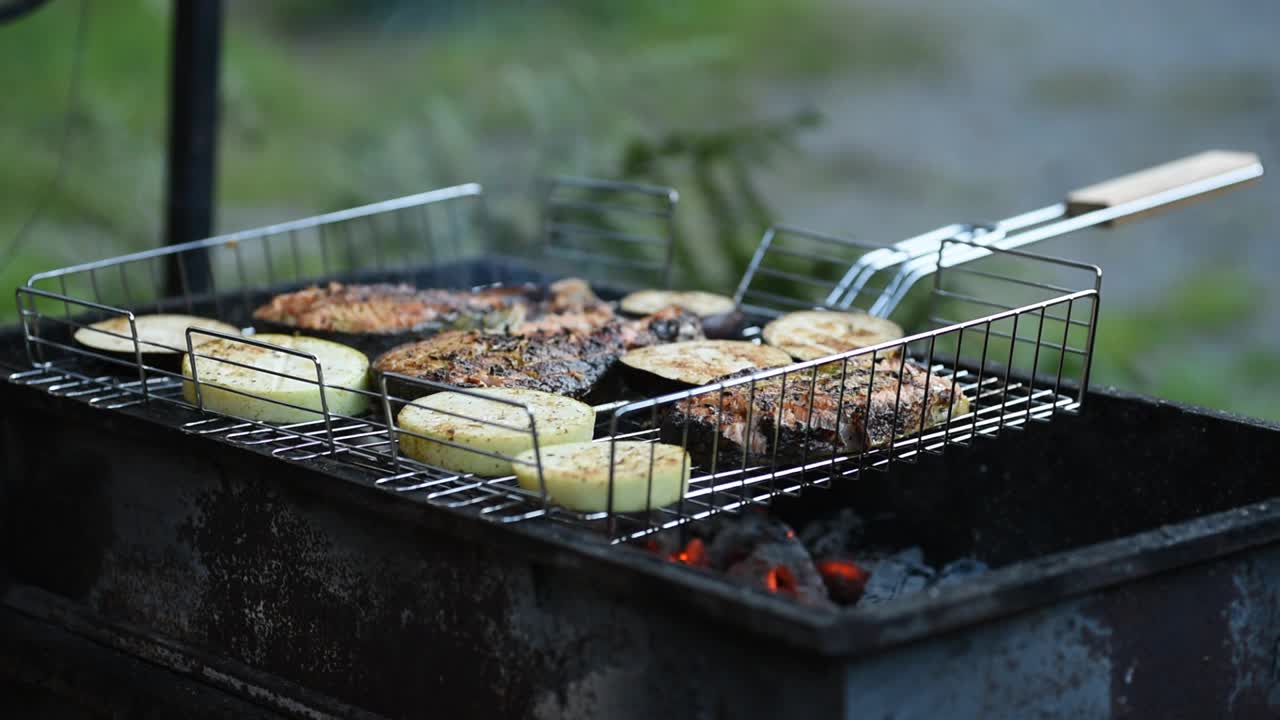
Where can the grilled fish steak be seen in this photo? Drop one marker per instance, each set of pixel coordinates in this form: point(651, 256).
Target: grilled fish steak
point(386, 308)
point(804, 420)
point(566, 353)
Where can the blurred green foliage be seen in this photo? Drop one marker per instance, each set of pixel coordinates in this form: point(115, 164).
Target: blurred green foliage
point(719, 165)
point(1175, 348)
point(332, 103)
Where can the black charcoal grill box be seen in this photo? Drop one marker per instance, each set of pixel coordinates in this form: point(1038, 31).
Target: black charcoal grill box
point(1137, 574)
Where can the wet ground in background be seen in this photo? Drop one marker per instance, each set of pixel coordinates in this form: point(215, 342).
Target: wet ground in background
point(1037, 99)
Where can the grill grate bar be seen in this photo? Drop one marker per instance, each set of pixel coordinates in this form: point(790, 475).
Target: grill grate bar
point(363, 443)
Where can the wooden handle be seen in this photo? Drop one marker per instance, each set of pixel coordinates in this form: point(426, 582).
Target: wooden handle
point(1161, 178)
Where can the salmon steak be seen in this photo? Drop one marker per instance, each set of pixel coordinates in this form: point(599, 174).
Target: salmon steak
point(806, 419)
point(387, 309)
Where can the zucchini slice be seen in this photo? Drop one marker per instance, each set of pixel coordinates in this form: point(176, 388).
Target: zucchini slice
point(812, 334)
point(221, 383)
point(645, 475)
point(558, 420)
point(699, 362)
point(719, 313)
point(157, 334)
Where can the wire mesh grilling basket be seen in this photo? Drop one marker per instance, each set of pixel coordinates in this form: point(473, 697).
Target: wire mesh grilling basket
point(1000, 339)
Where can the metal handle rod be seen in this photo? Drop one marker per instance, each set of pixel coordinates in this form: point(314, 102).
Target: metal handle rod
point(916, 268)
point(1106, 215)
point(1043, 224)
point(876, 260)
point(927, 244)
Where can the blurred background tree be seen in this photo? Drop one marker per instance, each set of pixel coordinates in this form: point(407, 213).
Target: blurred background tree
point(874, 118)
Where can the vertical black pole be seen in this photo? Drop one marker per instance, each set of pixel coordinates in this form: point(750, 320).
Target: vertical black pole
point(194, 60)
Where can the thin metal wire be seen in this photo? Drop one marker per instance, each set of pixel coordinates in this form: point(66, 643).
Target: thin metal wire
point(597, 213)
point(825, 259)
point(457, 192)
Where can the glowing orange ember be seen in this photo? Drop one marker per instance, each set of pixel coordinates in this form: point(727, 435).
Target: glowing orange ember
point(845, 580)
point(694, 553)
point(779, 579)
point(843, 571)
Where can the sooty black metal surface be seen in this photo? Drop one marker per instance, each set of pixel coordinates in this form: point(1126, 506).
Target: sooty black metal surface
point(1137, 573)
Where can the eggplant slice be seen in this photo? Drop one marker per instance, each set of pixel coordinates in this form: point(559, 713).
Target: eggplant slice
point(577, 475)
point(809, 418)
point(812, 334)
point(699, 362)
point(227, 388)
point(719, 313)
point(161, 338)
point(490, 427)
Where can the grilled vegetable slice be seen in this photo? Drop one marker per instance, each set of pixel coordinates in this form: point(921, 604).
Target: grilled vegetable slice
point(700, 361)
point(719, 313)
point(645, 475)
point(157, 334)
point(558, 419)
point(221, 383)
point(811, 334)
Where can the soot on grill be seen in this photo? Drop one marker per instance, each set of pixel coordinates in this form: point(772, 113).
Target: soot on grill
point(835, 561)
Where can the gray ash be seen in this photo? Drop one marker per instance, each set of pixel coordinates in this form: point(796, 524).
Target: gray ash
point(839, 533)
point(897, 575)
point(960, 570)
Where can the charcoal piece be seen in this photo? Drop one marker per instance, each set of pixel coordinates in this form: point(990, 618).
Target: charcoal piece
point(784, 568)
point(846, 580)
point(686, 545)
point(661, 544)
point(836, 534)
point(692, 553)
point(960, 570)
point(899, 575)
point(737, 537)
